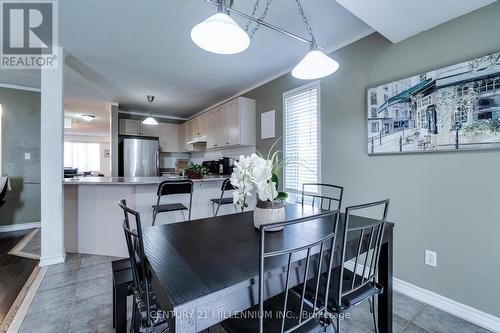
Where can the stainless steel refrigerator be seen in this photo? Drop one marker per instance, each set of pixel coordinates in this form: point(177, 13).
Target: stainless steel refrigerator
point(140, 157)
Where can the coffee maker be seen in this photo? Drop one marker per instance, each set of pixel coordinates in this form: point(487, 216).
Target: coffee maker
point(226, 165)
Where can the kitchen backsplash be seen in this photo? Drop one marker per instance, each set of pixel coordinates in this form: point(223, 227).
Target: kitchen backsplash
point(209, 155)
point(167, 160)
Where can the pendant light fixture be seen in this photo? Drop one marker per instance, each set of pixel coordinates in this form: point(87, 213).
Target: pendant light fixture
point(150, 120)
point(221, 34)
point(315, 65)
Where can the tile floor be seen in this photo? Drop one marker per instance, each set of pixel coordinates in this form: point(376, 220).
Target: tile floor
point(76, 297)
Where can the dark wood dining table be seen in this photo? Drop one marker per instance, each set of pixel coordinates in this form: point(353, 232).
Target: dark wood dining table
point(202, 271)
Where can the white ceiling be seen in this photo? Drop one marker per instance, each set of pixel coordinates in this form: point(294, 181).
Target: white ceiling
point(400, 19)
point(131, 48)
point(120, 51)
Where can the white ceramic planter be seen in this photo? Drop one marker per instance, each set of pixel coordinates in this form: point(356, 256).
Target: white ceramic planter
point(268, 212)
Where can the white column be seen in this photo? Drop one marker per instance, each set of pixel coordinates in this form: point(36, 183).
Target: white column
point(52, 149)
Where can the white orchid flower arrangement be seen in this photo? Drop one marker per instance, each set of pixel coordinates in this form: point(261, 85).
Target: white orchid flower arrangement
point(256, 174)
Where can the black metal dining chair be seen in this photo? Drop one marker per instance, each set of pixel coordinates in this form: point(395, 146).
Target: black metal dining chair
point(324, 194)
point(226, 186)
point(171, 187)
point(355, 282)
point(290, 311)
point(3, 191)
point(146, 313)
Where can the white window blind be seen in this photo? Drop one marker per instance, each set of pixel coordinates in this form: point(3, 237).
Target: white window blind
point(82, 155)
point(301, 137)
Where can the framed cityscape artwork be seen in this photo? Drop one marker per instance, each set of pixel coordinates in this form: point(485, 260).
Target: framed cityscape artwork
point(450, 109)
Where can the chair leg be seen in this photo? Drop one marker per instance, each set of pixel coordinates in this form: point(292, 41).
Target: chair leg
point(217, 211)
point(375, 323)
point(132, 319)
point(213, 209)
point(154, 216)
point(338, 323)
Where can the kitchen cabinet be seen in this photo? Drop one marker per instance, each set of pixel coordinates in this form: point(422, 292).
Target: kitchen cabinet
point(232, 124)
point(182, 138)
point(129, 127)
point(169, 138)
point(216, 134)
point(150, 130)
point(202, 124)
point(136, 127)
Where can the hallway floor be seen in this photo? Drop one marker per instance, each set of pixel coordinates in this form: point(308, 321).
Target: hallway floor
point(14, 271)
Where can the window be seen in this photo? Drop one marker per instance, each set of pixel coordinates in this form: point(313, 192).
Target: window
point(82, 155)
point(375, 128)
point(374, 112)
point(301, 137)
point(373, 98)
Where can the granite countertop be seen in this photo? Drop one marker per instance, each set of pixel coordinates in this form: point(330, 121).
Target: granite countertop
point(133, 180)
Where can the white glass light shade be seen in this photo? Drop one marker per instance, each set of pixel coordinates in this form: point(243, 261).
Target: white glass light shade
point(315, 65)
point(220, 34)
point(150, 121)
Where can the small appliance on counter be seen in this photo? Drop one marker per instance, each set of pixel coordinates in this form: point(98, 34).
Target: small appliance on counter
point(226, 165)
point(211, 166)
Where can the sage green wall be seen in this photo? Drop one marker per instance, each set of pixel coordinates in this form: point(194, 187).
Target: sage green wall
point(447, 202)
point(21, 134)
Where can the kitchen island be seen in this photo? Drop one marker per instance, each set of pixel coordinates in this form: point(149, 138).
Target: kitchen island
point(93, 219)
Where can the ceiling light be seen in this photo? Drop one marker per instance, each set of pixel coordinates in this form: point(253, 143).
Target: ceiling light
point(87, 117)
point(220, 34)
point(315, 65)
point(150, 120)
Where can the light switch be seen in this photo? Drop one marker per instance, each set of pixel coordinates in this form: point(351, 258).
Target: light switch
point(27, 156)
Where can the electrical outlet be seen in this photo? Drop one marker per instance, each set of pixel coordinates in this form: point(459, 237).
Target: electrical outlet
point(27, 156)
point(430, 258)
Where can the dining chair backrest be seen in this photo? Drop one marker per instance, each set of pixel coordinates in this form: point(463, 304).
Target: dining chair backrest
point(133, 236)
point(169, 187)
point(3, 190)
point(323, 195)
point(367, 240)
point(316, 250)
point(226, 185)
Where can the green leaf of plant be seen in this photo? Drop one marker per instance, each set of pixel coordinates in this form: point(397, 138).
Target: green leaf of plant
point(274, 178)
point(282, 196)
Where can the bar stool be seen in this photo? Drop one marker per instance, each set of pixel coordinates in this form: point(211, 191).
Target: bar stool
point(226, 186)
point(170, 187)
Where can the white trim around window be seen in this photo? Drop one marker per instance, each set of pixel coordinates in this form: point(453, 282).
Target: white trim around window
point(313, 86)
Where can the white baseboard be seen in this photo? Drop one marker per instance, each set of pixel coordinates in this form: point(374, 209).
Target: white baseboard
point(455, 308)
point(445, 304)
point(52, 260)
point(20, 226)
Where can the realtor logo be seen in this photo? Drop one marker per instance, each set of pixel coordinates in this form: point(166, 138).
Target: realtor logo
point(29, 34)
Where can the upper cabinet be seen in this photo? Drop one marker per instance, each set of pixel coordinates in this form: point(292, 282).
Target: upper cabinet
point(150, 130)
point(136, 127)
point(232, 124)
point(170, 138)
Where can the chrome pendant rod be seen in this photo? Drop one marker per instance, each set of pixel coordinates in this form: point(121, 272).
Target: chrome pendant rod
point(265, 24)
